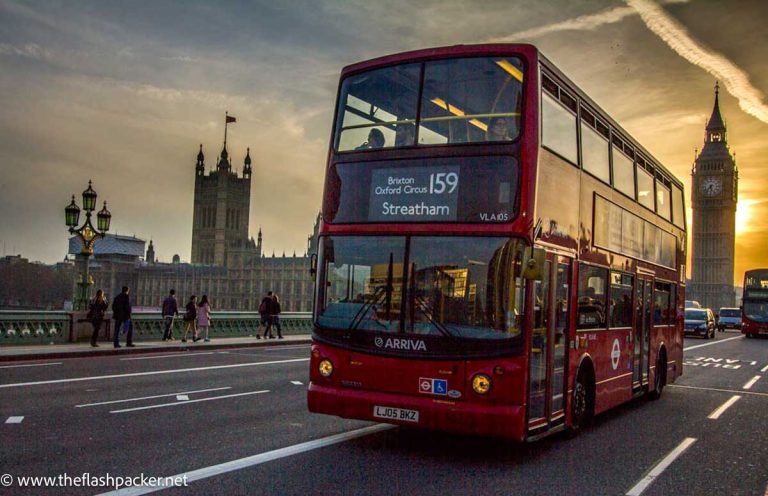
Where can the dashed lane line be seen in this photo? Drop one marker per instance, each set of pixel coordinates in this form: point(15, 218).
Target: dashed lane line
point(30, 365)
point(151, 397)
point(751, 382)
point(171, 355)
point(764, 369)
point(188, 401)
point(154, 372)
point(250, 461)
point(716, 414)
point(657, 470)
point(14, 420)
point(719, 341)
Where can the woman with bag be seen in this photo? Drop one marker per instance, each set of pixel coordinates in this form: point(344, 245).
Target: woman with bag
point(204, 317)
point(190, 319)
point(96, 309)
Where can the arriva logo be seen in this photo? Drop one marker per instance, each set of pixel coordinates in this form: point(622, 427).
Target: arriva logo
point(401, 344)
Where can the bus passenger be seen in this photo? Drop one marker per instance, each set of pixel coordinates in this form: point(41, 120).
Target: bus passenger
point(375, 140)
point(498, 129)
point(404, 134)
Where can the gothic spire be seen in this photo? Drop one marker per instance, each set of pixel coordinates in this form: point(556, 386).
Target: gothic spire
point(247, 164)
point(200, 166)
point(200, 156)
point(716, 120)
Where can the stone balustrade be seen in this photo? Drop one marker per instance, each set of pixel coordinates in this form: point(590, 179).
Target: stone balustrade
point(42, 327)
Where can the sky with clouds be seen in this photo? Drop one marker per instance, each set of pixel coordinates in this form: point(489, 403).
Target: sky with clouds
point(123, 93)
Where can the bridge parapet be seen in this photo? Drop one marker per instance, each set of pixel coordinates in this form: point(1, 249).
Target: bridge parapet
point(35, 327)
point(42, 327)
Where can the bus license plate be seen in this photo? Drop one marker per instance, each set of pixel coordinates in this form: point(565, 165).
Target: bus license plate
point(390, 413)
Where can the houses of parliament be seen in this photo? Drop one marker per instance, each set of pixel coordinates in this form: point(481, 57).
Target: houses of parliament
point(226, 264)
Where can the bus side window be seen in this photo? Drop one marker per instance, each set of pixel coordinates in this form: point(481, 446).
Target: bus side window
point(591, 310)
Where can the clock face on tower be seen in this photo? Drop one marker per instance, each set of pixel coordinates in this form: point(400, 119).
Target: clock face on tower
point(711, 186)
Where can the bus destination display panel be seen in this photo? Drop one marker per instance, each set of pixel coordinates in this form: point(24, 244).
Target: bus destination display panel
point(467, 189)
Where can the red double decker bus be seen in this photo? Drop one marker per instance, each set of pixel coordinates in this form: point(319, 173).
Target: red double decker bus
point(754, 303)
point(497, 255)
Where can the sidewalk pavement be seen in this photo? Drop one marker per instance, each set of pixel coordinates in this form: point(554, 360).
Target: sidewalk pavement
point(75, 350)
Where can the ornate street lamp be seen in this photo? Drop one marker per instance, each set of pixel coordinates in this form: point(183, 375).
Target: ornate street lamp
point(88, 236)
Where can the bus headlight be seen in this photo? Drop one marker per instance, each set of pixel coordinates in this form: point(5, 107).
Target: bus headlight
point(325, 367)
point(481, 383)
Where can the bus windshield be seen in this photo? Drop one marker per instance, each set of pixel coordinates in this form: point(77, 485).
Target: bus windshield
point(464, 100)
point(756, 311)
point(444, 287)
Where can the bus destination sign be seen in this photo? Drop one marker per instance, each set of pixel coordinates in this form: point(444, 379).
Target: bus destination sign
point(414, 194)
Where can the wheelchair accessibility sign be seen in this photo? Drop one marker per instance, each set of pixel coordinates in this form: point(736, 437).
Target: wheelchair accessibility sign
point(433, 386)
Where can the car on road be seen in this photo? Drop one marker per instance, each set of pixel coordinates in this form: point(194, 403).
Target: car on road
point(729, 318)
point(700, 321)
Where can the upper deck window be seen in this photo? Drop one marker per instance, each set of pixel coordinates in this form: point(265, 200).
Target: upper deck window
point(594, 148)
point(463, 100)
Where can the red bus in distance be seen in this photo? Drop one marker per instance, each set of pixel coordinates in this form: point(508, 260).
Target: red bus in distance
point(754, 303)
point(497, 256)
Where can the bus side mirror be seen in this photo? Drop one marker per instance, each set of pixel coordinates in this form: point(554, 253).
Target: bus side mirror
point(533, 263)
point(313, 264)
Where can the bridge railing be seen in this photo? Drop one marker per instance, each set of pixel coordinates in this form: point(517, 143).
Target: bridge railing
point(35, 327)
point(45, 327)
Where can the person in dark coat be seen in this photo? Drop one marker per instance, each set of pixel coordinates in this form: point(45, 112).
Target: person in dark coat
point(190, 319)
point(121, 313)
point(265, 310)
point(170, 311)
point(96, 309)
point(275, 317)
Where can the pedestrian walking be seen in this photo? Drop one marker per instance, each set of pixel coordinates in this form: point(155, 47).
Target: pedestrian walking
point(190, 320)
point(265, 311)
point(96, 309)
point(121, 313)
point(170, 311)
point(204, 317)
point(276, 315)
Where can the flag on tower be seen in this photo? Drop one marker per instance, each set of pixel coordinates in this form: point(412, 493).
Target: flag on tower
point(231, 119)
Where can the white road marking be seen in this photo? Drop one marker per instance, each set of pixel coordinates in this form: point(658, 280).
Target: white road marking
point(170, 355)
point(715, 389)
point(30, 365)
point(764, 369)
point(182, 397)
point(163, 405)
point(646, 481)
point(751, 382)
point(719, 341)
point(250, 461)
point(290, 347)
point(14, 420)
point(716, 414)
point(297, 383)
point(151, 397)
point(155, 372)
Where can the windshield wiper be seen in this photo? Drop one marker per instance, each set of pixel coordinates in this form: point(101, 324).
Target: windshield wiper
point(427, 309)
point(365, 307)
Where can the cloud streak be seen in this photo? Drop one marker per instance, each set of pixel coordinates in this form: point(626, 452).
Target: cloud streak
point(588, 22)
point(581, 23)
point(677, 37)
point(30, 50)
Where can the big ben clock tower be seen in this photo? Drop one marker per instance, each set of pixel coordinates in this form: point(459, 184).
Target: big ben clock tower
point(714, 191)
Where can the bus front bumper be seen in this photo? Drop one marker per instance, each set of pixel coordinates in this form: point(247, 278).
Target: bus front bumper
point(483, 419)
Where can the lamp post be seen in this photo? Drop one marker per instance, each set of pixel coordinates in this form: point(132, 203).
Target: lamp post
point(88, 235)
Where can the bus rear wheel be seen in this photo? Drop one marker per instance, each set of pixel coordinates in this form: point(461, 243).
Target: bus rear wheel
point(583, 402)
point(661, 376)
